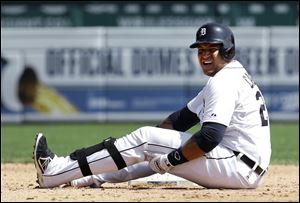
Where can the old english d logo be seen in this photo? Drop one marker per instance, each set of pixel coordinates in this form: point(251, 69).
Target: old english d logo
point(202, 31)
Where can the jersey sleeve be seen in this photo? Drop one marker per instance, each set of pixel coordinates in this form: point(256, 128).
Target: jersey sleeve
point(220, 99)
point(196, 104)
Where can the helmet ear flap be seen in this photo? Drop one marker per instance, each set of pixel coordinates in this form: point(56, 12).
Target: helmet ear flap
point(228, 53)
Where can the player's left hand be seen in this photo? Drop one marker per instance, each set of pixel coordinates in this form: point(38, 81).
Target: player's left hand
point(159, 163)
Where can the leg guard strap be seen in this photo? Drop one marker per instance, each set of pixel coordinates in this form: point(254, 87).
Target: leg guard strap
point(114, 152)
point(108, 144)
point(82, 161)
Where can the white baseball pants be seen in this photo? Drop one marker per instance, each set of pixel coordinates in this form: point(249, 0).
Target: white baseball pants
point(219, 168)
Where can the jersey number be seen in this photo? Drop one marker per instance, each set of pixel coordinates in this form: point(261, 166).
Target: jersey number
point(264, 121)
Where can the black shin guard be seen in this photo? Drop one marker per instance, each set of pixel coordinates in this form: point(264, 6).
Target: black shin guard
point(81, 154)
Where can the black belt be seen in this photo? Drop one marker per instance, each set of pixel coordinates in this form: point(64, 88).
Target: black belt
point(250, 163)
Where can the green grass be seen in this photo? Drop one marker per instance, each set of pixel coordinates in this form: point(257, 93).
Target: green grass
point(17, 140)
point(285, 143)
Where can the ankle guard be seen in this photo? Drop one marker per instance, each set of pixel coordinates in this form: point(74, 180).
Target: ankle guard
point(81, 154)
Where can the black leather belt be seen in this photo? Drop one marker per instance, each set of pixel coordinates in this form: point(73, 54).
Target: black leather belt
point(258, 170)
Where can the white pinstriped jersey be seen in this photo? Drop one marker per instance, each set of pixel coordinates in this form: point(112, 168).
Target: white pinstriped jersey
point(232, 98)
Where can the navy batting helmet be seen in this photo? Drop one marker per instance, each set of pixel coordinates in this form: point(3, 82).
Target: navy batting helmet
point(216, 34)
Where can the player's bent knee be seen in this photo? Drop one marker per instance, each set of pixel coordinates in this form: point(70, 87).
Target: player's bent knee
point(143, 132)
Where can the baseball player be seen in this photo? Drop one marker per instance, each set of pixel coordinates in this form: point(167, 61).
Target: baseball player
point(232, 149)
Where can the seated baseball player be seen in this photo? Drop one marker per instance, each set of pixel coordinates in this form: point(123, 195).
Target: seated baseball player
point(232, 149)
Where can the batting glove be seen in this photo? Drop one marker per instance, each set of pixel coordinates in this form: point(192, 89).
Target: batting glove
point(160, 164)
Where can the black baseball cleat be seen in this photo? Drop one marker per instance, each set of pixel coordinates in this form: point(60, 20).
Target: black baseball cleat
point(42, 156)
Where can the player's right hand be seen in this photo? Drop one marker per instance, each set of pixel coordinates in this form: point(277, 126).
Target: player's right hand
point(159, 163)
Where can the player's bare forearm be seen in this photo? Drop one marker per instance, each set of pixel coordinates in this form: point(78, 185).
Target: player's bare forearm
point(167, 124)
point(164, 163)
point(191, 150)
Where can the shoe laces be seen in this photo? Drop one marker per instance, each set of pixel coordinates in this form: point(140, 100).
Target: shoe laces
point(44, 162)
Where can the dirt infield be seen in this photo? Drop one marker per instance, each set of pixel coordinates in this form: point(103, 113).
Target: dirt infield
point(18, 184)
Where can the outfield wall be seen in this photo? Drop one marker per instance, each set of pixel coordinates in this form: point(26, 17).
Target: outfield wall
point(138, 74)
